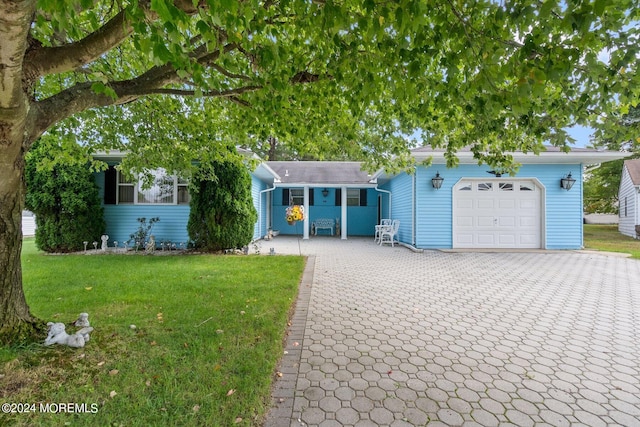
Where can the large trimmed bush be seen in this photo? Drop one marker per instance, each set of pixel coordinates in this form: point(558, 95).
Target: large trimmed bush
point(64, 198)
point(222, 213)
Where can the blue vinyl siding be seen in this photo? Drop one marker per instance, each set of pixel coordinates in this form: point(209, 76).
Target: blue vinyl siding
point(434, 208)
point(360, 219)
point(562, 209)
point(402, 205)
point(122, 220)
point(259, 228)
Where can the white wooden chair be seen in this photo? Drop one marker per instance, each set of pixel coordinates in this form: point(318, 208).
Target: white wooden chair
point(384, 223)
point(388, 235)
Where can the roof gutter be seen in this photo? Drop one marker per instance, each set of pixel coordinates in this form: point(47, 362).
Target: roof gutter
point(389, 193)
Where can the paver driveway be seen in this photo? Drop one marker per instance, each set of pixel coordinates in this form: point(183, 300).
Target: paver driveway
point(393, 337)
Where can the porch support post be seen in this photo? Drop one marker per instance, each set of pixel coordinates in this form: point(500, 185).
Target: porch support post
point(305, 222)
point(343, 220)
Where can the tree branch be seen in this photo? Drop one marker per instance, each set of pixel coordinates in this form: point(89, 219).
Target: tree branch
point(42, 61)
point(229, 93)
point(465, 24)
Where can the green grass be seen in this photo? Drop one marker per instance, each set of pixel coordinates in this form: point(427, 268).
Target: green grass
point(608, 238)
point(208, 333)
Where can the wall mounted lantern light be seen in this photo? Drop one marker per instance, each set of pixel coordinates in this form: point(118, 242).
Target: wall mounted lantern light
point(567, 182)
point(436, 181)
point(325, 192)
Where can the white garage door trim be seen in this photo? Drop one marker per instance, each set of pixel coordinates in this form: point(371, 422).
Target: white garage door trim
point(491, 213)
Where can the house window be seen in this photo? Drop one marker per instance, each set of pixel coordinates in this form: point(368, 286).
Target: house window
point(126, 189)
point(526, 187)
point(165, 189)
point(506, 186)
point(353, 197)
point(485, 186)
point(296, 196)
point(183, 192)
point(465, 187)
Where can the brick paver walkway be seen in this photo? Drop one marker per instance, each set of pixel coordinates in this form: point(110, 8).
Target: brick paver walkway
point(387, 336)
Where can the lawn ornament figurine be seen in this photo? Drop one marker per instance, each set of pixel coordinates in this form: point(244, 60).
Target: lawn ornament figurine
point(105, 239)
point(57, 333)
point(82, 321)
point(151, 244)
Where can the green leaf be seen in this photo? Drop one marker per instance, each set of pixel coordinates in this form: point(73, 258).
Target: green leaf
point(161, 7)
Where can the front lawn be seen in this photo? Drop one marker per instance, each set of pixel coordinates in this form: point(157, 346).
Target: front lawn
point(178, 340)
point(608, 238)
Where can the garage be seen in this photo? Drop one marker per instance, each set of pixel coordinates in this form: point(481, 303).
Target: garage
point(497, 213)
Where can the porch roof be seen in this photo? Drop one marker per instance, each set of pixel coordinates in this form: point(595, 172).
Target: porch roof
point(316, 173)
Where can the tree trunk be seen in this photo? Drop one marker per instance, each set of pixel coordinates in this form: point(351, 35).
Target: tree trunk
point(16, 322)
point(273, 142)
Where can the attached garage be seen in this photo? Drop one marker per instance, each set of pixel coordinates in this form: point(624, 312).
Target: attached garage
point(498, 213)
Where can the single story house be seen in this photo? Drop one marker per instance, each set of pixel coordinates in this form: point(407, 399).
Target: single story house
point(438, 208)
point(629, 199)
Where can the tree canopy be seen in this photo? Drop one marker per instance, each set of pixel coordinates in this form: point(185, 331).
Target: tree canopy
point(603, 182)
point(340, 77)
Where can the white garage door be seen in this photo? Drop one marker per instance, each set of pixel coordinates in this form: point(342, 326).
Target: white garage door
point(497, 213)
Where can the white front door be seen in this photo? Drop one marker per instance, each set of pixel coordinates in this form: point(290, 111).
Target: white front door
point(497, 213)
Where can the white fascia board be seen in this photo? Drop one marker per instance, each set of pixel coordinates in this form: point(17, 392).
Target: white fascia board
point(586, 157)
point(265, 173)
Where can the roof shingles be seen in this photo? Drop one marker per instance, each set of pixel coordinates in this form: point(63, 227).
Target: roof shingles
point(328, 173)
point(633, 167)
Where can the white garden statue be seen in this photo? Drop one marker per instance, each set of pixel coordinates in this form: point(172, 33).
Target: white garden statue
point(151, 244)
point(105, 239)
point(82, 321)
point(58, 335)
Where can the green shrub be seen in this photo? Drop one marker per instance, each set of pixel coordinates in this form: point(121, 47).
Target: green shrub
point(64, 197)
point(222, 213)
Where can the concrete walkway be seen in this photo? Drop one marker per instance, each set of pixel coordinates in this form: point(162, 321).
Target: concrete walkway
point(387, 336)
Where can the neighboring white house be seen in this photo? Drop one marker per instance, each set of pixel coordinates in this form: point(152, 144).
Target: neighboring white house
point(28, 224)
point(629, 199)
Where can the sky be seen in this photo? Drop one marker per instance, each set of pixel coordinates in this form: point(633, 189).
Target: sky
point(581, 134)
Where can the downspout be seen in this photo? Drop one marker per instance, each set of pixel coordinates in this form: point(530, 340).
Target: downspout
point(260, 235)
point(413, 208)
point(389, 193)
point(582, 169)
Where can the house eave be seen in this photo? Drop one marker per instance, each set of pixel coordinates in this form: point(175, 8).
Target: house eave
point(584, 157)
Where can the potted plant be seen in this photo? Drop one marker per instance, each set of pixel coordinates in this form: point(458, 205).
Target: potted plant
point(294, 213)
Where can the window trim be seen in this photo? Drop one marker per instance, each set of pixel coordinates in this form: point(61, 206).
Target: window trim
point(135, 183)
